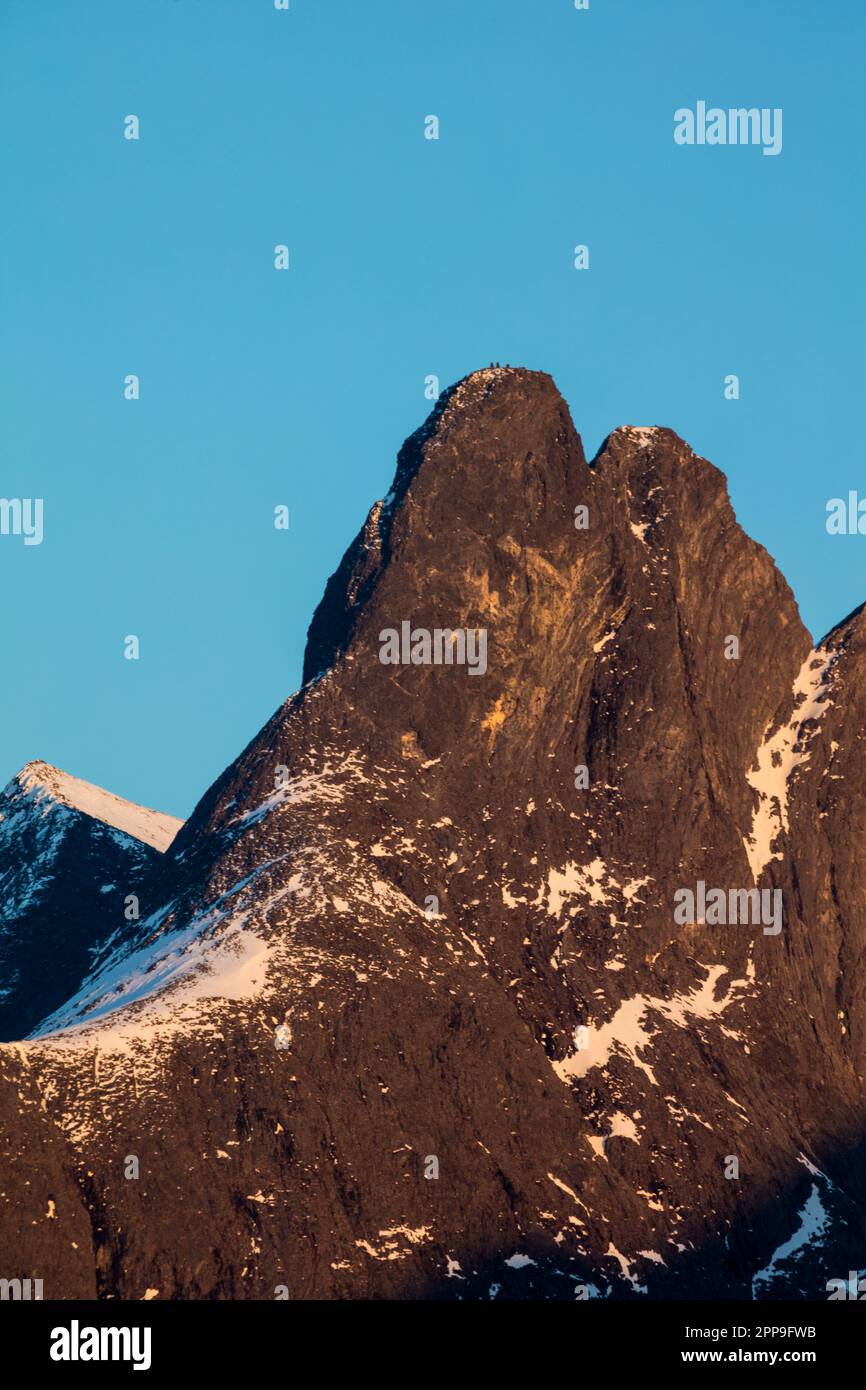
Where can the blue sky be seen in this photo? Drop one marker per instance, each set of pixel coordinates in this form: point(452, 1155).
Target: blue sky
point(408, 257)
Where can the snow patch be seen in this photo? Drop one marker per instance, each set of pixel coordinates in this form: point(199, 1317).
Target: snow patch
point(813, 1222)
point(629, 1032)
point(780, 754)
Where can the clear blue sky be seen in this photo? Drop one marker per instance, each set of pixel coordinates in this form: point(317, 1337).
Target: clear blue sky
point(408, 257)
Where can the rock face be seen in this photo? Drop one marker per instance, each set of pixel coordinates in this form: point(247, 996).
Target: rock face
point(419, 1005)
point(70, 853)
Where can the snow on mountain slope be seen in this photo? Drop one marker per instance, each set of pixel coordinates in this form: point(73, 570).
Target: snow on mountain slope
point(50, 786)
point(780, 755)
point(72, 856)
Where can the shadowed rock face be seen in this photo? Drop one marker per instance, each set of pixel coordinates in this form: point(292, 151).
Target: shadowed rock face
point(473, 942)
point(70, 856)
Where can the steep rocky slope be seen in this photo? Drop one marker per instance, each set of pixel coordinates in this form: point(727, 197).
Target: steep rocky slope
point(510, 1068)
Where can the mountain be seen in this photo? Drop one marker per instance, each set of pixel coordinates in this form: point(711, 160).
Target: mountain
point(528, 967)
point(70, 854)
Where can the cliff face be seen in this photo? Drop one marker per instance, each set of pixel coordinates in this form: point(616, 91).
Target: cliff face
point(513, 1057)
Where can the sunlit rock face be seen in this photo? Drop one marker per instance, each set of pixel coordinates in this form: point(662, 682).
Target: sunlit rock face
point(409, 1010)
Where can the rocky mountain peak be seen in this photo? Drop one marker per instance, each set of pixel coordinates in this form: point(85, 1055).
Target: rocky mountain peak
point(496, 464)
point(48, 784)
point(71, 854)
point(427, 922)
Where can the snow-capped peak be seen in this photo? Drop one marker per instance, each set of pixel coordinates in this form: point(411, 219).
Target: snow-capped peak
point(42, 781)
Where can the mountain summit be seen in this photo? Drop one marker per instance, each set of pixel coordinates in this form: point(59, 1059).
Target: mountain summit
point(70, 854)
point(50, 787)
point(519, 953)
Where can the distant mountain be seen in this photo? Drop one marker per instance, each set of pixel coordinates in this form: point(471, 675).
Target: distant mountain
point(70, 854)
point(431, 997)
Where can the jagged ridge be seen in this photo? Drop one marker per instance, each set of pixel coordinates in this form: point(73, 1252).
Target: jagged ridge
point(405, 871)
